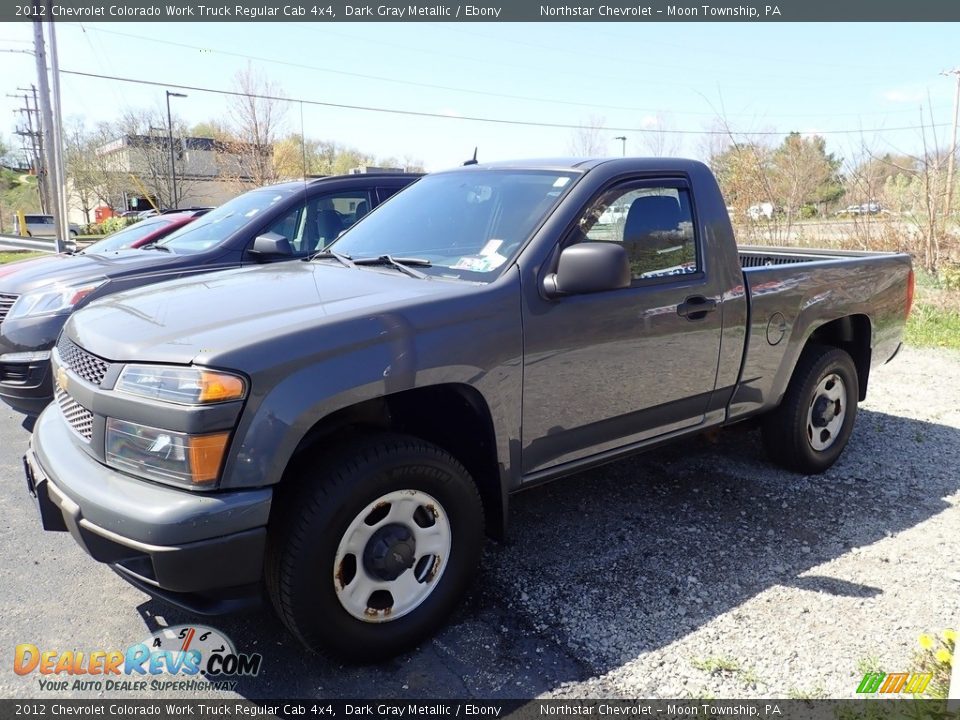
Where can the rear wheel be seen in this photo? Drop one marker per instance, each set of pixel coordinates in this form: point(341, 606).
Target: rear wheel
point(810, 429)
point(375, 547)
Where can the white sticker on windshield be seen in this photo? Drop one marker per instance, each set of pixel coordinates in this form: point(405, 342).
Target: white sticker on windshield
point(480, 263)
point(491, 247)
point(561, 181)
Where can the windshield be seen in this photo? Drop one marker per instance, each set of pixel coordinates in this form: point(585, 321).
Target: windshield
point(468, 225)
point(217, 225)
point(126, 237)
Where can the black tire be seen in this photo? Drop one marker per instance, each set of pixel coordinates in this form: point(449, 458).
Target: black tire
point(785, 430)
point(309, 521)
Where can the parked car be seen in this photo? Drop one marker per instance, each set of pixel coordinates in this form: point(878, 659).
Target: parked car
point(760, 211)
point(279, 222)
point(343, 431)
point(869, 208)
point(42, 226)
point(142, 233)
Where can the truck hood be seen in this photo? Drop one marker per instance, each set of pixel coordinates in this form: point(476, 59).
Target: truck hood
point(23, 277)
point(200, 318)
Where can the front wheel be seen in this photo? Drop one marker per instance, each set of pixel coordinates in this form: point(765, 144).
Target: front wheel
point(811, 427)
point(375, 547)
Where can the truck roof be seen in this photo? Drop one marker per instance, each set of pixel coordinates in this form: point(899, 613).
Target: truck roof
point(359, 177)
point(586, 164)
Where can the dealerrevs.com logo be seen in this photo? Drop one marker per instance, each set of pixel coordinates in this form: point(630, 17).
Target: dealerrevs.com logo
point(198, 656)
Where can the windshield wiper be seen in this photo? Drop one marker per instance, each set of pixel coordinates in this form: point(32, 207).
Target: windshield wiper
point(402, 264)
point(155, 246)
point(345, 260)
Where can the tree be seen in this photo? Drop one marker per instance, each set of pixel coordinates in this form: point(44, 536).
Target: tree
point(804, 173)
point(743, 173)
point(81, 167)
point(866, 180)
point(589, 140)
point(256, 123)
point(657, 139)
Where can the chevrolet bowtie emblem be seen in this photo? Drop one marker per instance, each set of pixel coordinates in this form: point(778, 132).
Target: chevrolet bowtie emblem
point(62, 379)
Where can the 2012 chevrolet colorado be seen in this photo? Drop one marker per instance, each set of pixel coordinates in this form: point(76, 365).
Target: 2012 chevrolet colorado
point(343, 430)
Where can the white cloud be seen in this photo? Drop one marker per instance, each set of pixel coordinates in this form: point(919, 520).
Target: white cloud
point(906, 95)
point(650, 122)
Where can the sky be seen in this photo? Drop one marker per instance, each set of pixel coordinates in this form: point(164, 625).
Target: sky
point(631, 77)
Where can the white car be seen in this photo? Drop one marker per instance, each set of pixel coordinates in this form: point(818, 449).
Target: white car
point(42, 226)
point(761, 210)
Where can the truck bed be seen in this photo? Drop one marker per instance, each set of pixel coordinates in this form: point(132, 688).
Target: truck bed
point(793, 291)
point(752, 256)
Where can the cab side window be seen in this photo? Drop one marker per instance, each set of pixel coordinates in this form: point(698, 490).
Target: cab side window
point(310, 228)
point(655, 226)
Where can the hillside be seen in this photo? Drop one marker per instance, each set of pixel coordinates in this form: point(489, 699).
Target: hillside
point(17, 192)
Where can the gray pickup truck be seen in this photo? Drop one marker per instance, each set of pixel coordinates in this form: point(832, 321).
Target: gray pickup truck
point(343, 430)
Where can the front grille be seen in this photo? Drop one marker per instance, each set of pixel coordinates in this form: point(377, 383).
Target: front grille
point(6, 302)
point(79, 418)
point(89, 367)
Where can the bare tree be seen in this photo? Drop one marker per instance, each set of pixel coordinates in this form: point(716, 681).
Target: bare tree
point(657, 139)
point(256, 124)
point(589, 139)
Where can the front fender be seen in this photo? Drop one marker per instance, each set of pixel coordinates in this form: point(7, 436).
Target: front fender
point(473, 341)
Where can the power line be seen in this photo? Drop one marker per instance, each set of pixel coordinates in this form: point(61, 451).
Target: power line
point(432, 86)
point(474, 118)
point(379, 78)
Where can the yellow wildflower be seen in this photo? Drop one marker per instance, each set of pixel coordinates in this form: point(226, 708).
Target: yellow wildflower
point(927, 641)
point(950, 635)
point(943, 655)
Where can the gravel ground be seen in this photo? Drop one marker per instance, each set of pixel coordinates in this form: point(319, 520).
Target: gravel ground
point(694, 571)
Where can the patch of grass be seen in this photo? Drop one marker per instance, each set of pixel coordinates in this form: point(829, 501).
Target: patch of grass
point(6, 257)
point(869, 664)
point(931, 325)
point(816, 693)
point(718, 665)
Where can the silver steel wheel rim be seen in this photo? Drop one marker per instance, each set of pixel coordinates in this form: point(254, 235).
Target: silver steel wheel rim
point(374, 598)
point(827, 411)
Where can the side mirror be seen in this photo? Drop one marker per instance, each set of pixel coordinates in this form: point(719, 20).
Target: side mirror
point(271, 245)
point(589, 267)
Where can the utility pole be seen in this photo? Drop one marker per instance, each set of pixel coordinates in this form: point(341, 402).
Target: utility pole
point(32, 141)
point(173, 169)
point(46, 117)
point(951, 160)
point(63, 209)
point(623, 139)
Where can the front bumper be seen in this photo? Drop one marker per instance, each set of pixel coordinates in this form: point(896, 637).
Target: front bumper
point(27, 386)
point(202, 551)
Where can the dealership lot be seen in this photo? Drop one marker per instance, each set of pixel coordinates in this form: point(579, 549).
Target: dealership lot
point(693, 571)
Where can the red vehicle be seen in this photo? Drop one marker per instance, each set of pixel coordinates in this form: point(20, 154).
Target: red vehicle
point(142, 233)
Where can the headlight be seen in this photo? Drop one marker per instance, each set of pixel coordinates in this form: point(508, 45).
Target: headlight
point(181, 385)
point(58, 299)
point(164, 455)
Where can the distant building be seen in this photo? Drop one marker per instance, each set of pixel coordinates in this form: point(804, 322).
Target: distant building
point(208, 171)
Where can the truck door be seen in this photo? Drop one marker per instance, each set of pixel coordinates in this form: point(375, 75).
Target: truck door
point(610, 369)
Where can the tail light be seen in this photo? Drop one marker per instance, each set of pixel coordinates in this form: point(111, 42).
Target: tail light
point(911, 286)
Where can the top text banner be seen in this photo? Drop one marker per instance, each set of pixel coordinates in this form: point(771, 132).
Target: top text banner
point(509, 11)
